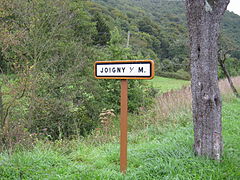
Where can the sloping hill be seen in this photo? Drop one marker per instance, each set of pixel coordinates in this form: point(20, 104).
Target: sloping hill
point(166, 12)
point(159, 30)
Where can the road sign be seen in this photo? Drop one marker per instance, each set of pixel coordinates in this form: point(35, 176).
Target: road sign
point(131, 69)
point(124, 70)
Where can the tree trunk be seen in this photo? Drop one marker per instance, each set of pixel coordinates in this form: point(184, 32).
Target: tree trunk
point(204, 25)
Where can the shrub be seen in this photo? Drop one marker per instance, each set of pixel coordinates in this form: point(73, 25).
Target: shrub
point(60, 119)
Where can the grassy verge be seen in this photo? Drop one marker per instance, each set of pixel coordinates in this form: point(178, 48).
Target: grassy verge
point(155, 153)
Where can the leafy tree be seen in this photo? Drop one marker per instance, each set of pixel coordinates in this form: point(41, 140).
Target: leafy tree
point(49, 40)
point(228, 66)
point(103, 31)
point(167, 65)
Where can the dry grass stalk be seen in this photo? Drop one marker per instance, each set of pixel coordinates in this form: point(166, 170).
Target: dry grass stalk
point(174, 101)
point(170, 103)
point(225, 87)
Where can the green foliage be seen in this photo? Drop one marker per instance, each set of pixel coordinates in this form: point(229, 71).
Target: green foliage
point(167, 65)
point(158, 30)
point(58, 119)
point(55, 50)
point(116, 48)
point(232, 65)
point(229, 56)
point(62, 99)
point(231, 26)
point(103, 32)
point(180, 74)
point(139, 95)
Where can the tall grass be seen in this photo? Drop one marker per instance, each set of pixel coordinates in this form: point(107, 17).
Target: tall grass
point(172, 108)
point(173, 102)
point(225, 87)
point(180, 101)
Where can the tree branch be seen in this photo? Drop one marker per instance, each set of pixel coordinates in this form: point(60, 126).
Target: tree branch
point(221, 5)
point(11, 104)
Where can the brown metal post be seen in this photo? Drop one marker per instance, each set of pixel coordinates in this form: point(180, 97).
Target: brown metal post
point(123, 126)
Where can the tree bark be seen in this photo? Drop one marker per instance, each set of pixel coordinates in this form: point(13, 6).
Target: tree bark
point(204, 24)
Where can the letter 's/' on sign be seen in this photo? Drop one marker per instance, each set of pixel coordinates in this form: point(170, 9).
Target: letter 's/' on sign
point(131, 69)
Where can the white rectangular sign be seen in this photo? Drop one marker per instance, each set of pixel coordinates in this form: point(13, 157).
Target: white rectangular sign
point(137, 69)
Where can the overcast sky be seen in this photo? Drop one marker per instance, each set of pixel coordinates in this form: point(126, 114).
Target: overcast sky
point(234, 6)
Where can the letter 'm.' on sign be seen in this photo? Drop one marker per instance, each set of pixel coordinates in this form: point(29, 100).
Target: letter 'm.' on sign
point(131, 69)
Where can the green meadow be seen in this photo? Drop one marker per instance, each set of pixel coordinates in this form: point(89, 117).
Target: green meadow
point(166, 84)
